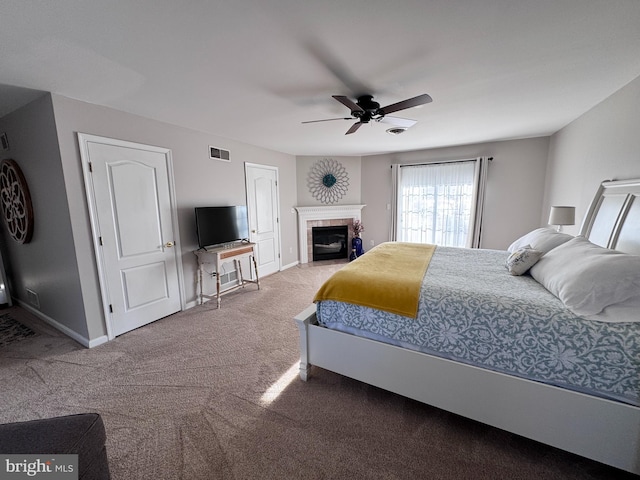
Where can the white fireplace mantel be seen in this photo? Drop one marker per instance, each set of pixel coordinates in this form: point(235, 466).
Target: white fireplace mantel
point(322, 212)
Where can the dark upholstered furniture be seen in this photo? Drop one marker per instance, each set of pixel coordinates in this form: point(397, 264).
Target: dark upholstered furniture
point(81, 434)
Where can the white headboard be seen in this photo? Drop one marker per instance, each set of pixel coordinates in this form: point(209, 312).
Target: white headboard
point(613, 218)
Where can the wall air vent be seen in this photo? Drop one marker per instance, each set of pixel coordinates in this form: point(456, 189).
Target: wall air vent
point(219, 154)
point(32, 298)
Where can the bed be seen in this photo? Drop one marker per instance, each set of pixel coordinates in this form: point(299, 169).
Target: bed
point(596, 416)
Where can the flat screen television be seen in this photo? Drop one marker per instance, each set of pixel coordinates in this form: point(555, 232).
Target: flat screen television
point(219, 225)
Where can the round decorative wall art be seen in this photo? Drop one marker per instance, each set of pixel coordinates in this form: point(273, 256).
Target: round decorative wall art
point(15, 201)
point(328, 180)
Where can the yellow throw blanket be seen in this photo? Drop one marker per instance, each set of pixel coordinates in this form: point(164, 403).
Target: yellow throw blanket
point(388, 277)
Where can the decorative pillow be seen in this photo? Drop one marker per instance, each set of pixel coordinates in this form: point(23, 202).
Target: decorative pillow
point(588, 278)
point(543, 239)
point(520, 261)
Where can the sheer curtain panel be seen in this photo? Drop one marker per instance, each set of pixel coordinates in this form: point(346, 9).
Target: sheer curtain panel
point(439, 203)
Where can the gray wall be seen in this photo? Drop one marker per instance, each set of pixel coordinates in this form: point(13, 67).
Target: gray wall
point(352, 167)
point(602, 144)
point(47, 265)
point(514, 191)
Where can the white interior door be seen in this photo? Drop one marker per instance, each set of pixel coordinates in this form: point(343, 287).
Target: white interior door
point(262, 206)
point(135, 231)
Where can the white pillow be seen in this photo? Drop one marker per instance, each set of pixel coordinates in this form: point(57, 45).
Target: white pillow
point(627, 311)
point(588, 278)
point(543, 239)
point(520, 261)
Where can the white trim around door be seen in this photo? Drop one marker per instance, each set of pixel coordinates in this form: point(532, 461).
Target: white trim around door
point(134, 222)
point(263, 208)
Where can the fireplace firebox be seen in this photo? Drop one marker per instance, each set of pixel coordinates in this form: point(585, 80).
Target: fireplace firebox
point(329, 242)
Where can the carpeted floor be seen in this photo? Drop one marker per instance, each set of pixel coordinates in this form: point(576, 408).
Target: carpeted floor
point(213, 394)
point(12, 330)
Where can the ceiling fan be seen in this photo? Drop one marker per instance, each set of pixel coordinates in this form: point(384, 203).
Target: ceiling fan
point(365, 109)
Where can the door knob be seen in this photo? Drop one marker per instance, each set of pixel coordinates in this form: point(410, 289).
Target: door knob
point(169, 244)
point(253, 231)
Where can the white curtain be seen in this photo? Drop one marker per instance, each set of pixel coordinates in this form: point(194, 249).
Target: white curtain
point(439, 203)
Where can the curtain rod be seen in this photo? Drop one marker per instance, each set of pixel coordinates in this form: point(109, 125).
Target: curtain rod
point(440, 161)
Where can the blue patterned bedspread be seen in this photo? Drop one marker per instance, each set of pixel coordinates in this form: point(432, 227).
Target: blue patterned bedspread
point(471, 310)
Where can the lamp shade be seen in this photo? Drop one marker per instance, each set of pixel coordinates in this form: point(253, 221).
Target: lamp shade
point(562, 216)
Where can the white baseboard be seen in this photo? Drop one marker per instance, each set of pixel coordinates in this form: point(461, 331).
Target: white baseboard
point(98, 341)
point(82, 340)
point(285, 267)
point(191, 304)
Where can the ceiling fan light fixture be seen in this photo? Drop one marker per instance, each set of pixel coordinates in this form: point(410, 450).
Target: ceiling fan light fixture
point(365, 109)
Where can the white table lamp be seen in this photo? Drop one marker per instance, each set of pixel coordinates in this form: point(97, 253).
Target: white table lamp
point(560, 216)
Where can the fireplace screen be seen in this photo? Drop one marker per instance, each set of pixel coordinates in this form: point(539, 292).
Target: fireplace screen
point(329, 242)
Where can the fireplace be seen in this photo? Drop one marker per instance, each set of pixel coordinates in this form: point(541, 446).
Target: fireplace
point(329, 242)
point(323, 216)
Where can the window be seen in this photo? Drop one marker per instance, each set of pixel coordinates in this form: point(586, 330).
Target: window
point(437, 203)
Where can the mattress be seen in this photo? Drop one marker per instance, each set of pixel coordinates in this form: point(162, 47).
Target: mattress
point(472, 311)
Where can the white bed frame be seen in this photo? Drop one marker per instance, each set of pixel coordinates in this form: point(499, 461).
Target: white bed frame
point(596, 428)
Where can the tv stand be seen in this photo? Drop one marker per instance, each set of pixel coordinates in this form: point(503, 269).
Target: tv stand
point(218, 256)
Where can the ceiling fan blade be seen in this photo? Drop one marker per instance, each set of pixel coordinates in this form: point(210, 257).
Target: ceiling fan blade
point(347, 102)
point(410, 102)
point(336, 67)
point(328, 120)
point(353, 128)
point(399, 122)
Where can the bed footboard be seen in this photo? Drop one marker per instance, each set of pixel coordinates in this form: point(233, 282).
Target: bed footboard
point(303, 320)
point(596, 428)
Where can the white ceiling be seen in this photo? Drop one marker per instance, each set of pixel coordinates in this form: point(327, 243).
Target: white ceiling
point(253, 70)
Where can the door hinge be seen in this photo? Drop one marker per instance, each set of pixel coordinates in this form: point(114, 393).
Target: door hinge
point(110, 308)
point(90, 167)
point(100, 240)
